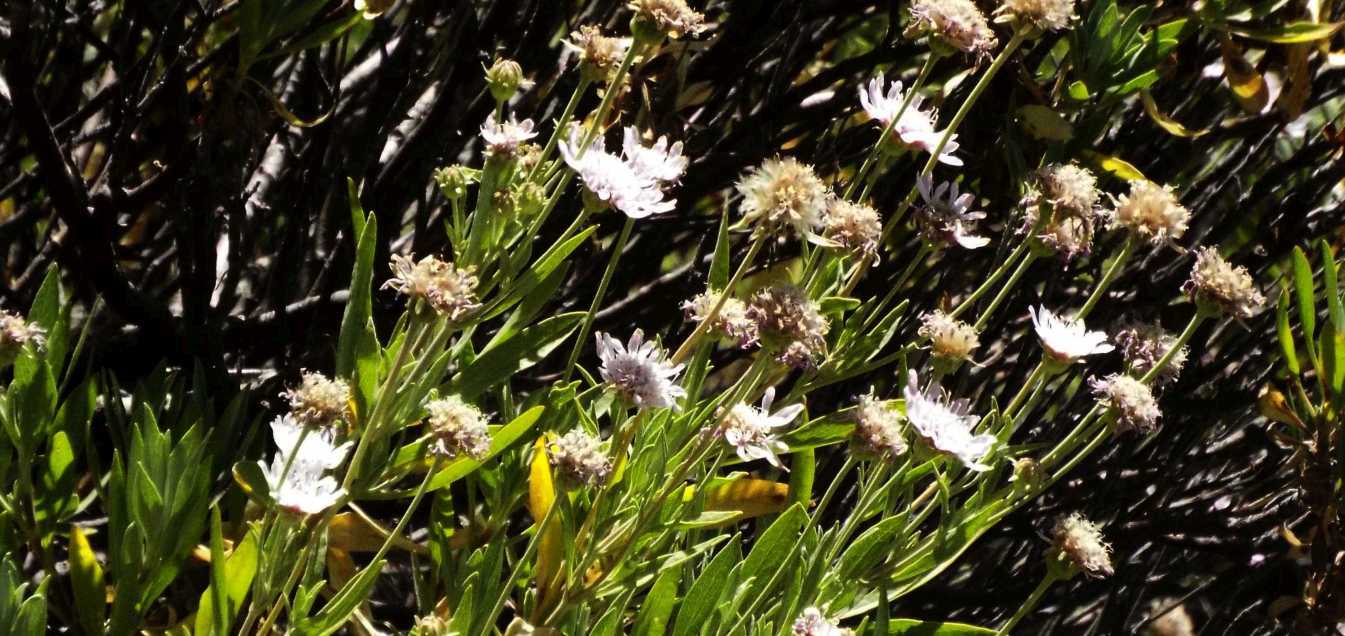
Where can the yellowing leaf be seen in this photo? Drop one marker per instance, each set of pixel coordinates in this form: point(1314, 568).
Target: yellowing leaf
point(1249, 87)
point(351, 533)
point(745, 496)
point(1118, 167)
point(1167, 123)
point(1043, 123)
point(86, 575)
point(1291, 33)
point(541, 496)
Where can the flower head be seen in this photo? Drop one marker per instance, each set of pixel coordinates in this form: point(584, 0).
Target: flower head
point(15, 334)
point(1060, 206)
point(788, 321)
point(955, 23)
point(447, 289)
point(1219, 286)
point(319, 401)
point(660, 162)
point(297, 475)
point(1078, 543)
point(619, 182)
point(1037, 15)
point(1066, 340)
point(752, 431)
point(783, 196)
point(731, 322)
point(638, 371)
point(504, 78)
point(1151, 211)
point(946, 424)
point(578, 459)
point(856, 227)
point(1136, 408)
point(503, 138)
point(949, 338)
point(946, 218)
point(599, 55)
point(457, 429)
point(915, 128)
point(671, 18)
point(1142, 345)
point(812, 623)
point(877, 430)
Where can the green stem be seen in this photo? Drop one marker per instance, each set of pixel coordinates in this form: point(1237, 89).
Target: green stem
point(688, 344)
point(1004, 291)
point(990, 282)
point(561, 123)
point(582, 341)
point(1028, 605)
point(528, 553)
point(1107, 277)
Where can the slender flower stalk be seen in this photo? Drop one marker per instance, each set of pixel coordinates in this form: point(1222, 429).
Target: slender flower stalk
point(688, 345)
point(617, 248)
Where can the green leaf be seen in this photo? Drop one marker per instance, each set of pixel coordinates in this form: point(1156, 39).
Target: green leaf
point(523, 351)
point(1286, 335)
point(231, 578)
point(774, 548)
point(537, 273)
point(912, 627)
point(1333, 300)
point(1291, 33)
point(706, 592)
point(802, 470)
point(1333, 358)
point(86, 577)
point(1306, 296)
point(658, 604)
point(357, 348)
point(58, 498)
point(1079, 91)
point(1041, 122)
point(869, 548)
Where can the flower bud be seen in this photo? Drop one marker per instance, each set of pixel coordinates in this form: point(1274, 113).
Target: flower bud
point(504, 78)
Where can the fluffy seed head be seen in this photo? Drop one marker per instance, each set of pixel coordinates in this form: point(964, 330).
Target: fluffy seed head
point(1037, 15)
point(731, 322)
point(504, 78)
point(783, 197)
point(578, 460)
point(813, 623)
point(949, 338)
point(1079, 543)
point(1142, 345)
point(1060, 207)
point(457, 428)
point(599, 55)
point(854, 226)
point(447, 289)
point(1136, 408)
point(319, 401)
point(955, 23)
point(1218, 286)
point(785, 316)
point(15, 334)
point(877, 430)
point(1151, 212)
point(670, 18)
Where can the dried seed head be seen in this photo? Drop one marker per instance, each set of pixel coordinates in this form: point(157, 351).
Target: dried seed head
point(319, 401)
point(877, 430)
point(1036, 15)
point(785, 316)
point(656, 19)
point(15, 334)
point(1151, 212)
point(731, 322)
point(578, 460)
point(447, 289)
point(854, 226)
point(457, 428)
point(1218, 286)
point(1060, 208)
point(1136, 408)
point(955, 23)
point(504, 78)
point(1175, 621)
point(783, 197)
point(1142, 345)
point(1078, 543)
point(599, 55)
point(949, 338)
point(812, 623)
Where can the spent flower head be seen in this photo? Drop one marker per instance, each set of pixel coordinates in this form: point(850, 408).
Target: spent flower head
point(1066, 340)
point(656, 19)
point(1037, 16)
point(1060, 209)
point(633, 187)
point(855, 227)
point(319, 401)
point(946, 425)
point(1142, 345)
point(949, 338)
point(448, 290)
point(457, 428)
point(579, 460)
point(297, 475)
point(1218, 286)
point(946, 218)
point(1151, 212)
point(1134, 403)
point(15, 334)
point(877, 430)
point(731, 322)
point(639, 371)
point(599, 55)
point(954, 23)
point(783, 197)
point(813, 623)
point(915, 128)
point(753, 432)
point(1079, 546)
point(788, 321)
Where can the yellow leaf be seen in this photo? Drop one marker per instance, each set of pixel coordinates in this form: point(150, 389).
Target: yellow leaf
point(86, 575)
point(1249, 87)
point(1273, 405)
point(541, 496)
point(1115, 165)
point(745, 495)
point(351, 533)
point(1043, 123)
point(1167, 123)
point(340, 568)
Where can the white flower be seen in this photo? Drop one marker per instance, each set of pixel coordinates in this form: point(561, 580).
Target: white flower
point(660, 162)
point(945, 424)
point(1066, 340)
point(812, 623)
point(504, 138)
point(751, 431)
point(297, 474)
point(638, 371)
point(615, 180)
point(947, 216)
point(915, 128)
